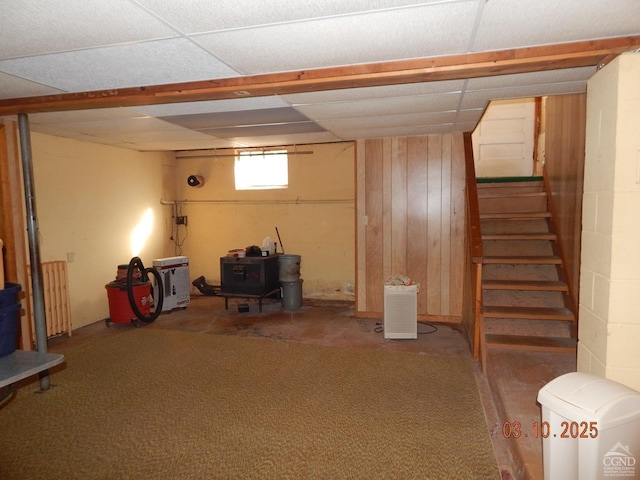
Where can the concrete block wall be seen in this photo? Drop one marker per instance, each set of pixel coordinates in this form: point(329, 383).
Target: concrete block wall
point(609, 329)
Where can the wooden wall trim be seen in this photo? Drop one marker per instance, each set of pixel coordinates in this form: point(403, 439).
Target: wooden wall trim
point(457, 226)
point(418, 212)
point(472, 199)
point(12, 224)
point(360, 223)
point(473, 291)
point(565, 139)
point(449, 319)
point(451, 67)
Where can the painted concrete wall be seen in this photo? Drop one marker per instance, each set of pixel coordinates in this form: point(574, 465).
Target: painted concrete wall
point(609, 331)
point(315, 216)
point(90, 198)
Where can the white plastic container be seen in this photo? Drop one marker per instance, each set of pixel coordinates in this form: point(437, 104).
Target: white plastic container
point(269, 246)
point(590, 429)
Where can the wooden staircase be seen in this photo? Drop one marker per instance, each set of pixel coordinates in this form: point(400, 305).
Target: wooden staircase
point(526, 301)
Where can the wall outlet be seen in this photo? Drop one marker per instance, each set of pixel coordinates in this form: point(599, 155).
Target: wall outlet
point(181, 220)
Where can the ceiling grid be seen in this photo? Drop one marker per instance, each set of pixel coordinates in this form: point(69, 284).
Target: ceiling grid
point(80, 46)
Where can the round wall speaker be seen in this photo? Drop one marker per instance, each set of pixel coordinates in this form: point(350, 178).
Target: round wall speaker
point(195, 181)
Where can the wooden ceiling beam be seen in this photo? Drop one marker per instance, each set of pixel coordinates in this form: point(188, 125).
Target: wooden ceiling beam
point(594, 53)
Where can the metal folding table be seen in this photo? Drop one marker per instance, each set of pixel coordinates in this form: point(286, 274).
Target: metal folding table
point(22, 364)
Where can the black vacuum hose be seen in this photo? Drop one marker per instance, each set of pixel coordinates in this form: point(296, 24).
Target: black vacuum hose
point(136, 262)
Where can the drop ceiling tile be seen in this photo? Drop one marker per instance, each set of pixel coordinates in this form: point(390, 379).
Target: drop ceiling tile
point(72, 132)
point(34, 27)
point(238, 118)
point(125, 42)
point(148, 63)
point(388, 91)
point(51, 130)
point(109, 142)
point(263, 130)
point(555, 89)
point(192, 108)
point(354, 134)
point(464, 127)
point(81, 116)
point(472, 115)
point(121, 126)
point(14, 87)
point(141, 140)
point(141, 136)
point(202, 16)
point(481, 98)
point(383, 106)
point(59, 131)
point(534, 78)
point(346, 40)
point(163, 145)
point(388, 121)
point(286, 139)
point(514, 23)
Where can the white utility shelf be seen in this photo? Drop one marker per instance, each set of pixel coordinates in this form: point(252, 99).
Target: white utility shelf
point(22, 364)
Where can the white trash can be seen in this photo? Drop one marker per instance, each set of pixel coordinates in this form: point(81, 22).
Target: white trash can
point(590, 429)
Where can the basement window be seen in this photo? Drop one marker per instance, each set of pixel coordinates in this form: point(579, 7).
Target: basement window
point(261, 170)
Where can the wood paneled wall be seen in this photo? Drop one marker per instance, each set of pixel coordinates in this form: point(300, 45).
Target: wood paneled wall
point(410, 220)
point(13, 230)
point(564, 164)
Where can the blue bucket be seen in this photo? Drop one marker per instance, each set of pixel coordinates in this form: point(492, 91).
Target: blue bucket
point(9, 318)
point(9, 296)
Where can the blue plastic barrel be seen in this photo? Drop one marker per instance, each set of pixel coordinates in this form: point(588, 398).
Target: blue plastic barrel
point(9, 317)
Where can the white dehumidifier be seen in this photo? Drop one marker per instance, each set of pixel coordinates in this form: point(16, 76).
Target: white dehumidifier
point(401, 311)
point(174, 272)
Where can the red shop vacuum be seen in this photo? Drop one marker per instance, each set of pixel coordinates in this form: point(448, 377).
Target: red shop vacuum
point(131, 294)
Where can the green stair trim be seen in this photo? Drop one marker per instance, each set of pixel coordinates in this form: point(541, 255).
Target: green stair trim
point(507, 179)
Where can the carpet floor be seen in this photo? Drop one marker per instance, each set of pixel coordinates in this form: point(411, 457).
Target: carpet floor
point(151, 404)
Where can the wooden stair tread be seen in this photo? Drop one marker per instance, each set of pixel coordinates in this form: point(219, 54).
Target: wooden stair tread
point(488, 195)
point(518, 342)
point(533, 313)
point(525, 285)
point(515, 204)
point(523, 260)
point(514, 215)
point(520, 236)
point(508, 181)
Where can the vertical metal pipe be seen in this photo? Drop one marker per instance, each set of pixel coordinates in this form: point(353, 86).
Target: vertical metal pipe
point(34, 244)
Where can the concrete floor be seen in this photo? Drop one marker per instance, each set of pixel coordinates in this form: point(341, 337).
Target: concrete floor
point(508, 391)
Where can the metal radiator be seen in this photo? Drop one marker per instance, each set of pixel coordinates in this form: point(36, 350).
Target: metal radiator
point(56, 299)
